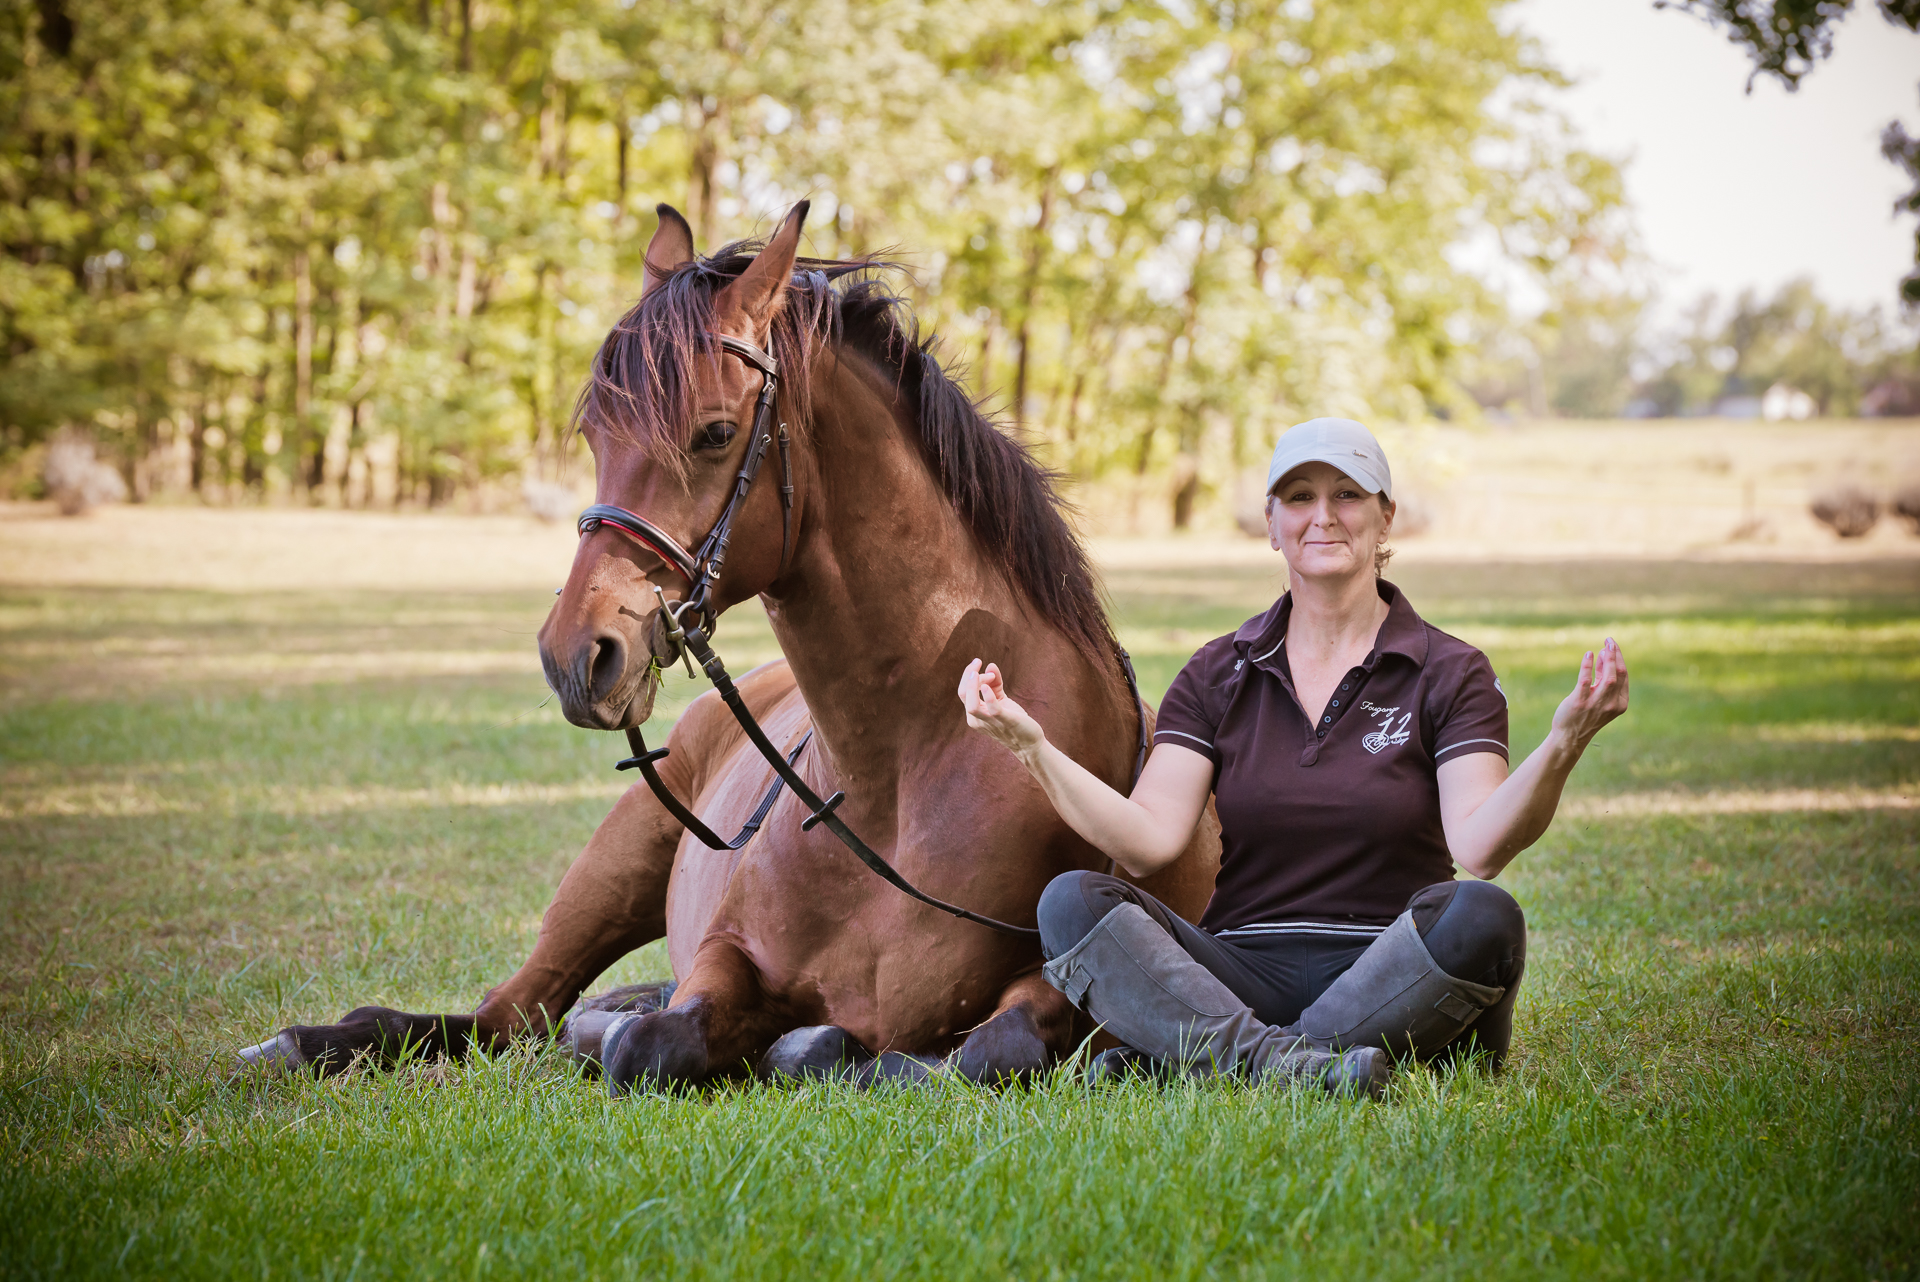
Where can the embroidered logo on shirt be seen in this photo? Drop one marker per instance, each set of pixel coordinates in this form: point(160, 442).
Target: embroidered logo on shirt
point(1392, 731)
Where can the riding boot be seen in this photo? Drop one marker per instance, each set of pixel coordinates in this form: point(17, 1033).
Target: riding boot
point(1129, 974)
point(1394, 997)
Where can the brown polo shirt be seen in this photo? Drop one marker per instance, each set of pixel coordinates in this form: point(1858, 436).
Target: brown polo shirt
point(1335, 823)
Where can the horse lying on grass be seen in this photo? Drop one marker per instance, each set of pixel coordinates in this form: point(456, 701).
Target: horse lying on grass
point(907, 536)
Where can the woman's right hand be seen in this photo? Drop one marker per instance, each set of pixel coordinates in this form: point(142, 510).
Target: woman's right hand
point(983, 693)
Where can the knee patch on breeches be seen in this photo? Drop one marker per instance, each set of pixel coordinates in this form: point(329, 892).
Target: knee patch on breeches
point(1473, 929)
point(1073, 904)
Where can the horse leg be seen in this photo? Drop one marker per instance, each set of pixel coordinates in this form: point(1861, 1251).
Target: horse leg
point(587, 1023)
point(721, 1022)
point(612, 900)
point(818, 1050)
point(1032, 1027)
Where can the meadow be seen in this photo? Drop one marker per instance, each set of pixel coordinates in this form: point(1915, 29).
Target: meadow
point(223, 812)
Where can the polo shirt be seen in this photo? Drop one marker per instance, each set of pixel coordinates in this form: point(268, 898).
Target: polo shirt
point(1331, 826)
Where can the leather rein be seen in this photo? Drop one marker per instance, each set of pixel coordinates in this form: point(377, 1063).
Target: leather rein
point(688, 627)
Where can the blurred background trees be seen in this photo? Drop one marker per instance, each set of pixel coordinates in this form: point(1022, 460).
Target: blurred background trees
point(360, 253)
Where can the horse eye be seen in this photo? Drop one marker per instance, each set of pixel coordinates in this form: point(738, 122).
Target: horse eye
point(714, 436)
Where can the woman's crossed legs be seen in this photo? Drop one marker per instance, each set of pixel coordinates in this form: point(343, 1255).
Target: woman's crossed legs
point(1441, 980)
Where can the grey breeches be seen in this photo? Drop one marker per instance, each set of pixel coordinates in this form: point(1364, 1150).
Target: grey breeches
point(1473, 930)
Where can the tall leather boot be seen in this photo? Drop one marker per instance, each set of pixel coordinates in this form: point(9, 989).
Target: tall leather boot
point(1395, 997)
point(1130, 975)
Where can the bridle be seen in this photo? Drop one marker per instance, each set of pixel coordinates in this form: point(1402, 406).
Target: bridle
point(701, 568)
point(689, 622)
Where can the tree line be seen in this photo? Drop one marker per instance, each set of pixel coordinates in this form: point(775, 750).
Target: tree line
point(361, 252)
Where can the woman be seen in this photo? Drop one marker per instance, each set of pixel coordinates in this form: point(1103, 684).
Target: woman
point(1355, 754)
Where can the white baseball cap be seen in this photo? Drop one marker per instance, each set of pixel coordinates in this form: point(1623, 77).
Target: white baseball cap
point(1340, 442)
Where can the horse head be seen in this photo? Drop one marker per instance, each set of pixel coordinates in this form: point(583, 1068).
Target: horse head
point(670, 417)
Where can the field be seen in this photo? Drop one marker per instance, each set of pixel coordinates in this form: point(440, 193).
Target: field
point(225, 811)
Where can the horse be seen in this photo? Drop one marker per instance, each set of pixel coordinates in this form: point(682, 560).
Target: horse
point(908, 534)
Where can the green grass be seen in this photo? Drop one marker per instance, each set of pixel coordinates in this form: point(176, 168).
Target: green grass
point(212, 824)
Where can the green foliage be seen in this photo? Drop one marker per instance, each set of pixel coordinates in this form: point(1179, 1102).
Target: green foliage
point(361, 252)
point(1794, 338)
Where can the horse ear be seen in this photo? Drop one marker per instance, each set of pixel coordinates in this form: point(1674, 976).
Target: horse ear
point(670, 249)
point(762, 287)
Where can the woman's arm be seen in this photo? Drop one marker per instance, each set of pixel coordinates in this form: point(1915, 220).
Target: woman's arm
point(1491, 816)
point(1142, 833)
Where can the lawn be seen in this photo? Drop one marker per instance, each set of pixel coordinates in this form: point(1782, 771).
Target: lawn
point(220, 814)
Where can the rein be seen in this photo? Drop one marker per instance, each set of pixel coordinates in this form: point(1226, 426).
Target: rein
point(700, 569)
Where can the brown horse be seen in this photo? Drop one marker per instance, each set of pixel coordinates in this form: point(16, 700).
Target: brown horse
point(920, 537)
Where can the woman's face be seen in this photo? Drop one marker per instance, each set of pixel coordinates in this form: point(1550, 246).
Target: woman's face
point(1325, 524)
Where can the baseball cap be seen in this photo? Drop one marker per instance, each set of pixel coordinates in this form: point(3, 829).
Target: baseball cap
point(1340, 442)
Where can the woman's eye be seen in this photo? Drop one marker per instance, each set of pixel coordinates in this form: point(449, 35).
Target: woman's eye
point(714, 436)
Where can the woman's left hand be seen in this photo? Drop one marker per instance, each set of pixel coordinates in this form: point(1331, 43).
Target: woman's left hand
point(1598, 696)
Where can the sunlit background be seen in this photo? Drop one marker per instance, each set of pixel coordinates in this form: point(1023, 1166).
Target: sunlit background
point(358, 256)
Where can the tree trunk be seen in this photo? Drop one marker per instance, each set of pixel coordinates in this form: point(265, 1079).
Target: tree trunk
point(306, 475)
point(1036, 254)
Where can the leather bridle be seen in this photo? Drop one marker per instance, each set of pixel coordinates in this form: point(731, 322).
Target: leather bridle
point(702, 568)
point(690, 620)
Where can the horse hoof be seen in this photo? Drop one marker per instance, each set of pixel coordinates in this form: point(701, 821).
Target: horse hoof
point(1007, 1048)
point(278, 1054)
point(653, 1051)
point(895, 1067)
point(586, 1033)
point(823, 1050)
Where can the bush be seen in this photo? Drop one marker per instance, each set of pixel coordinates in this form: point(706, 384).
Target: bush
point(1850, 510)
point(1906, 505)
point(75, 478)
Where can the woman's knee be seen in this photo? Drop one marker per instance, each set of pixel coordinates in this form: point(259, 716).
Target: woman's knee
point(1474, 930)
point(1072, 905)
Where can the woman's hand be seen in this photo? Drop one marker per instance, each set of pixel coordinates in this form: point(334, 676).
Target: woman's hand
point(1142, 833)
point(983, 693)
point(1599, 695)
point(1491, 816)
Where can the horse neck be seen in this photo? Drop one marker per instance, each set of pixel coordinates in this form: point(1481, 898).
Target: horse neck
point(891, 596)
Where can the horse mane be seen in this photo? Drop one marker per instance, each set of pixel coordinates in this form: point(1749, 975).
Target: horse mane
point(644, 376)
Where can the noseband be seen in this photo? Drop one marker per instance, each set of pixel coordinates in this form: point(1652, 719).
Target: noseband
point(689, 621)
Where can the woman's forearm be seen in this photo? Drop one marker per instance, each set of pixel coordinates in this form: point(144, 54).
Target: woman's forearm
point(1140, 839)
point(1518, 812)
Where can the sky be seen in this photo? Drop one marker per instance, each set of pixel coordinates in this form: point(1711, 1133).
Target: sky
point(1732, 190)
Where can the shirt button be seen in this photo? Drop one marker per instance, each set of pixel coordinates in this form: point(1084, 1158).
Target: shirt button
point(1343, 687)
point(1321, 733)
point(1336, 703)
point(1328, 720)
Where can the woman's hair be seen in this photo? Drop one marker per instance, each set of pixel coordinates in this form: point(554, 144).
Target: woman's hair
point(1381, 552)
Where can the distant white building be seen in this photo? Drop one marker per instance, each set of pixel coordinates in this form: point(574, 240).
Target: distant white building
point(1783, 401)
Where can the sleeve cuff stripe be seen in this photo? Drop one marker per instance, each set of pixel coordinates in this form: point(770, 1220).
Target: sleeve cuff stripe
point(1466, 742)
point(1196, 738)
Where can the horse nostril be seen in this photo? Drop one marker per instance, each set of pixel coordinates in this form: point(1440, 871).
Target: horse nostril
point(605, 667)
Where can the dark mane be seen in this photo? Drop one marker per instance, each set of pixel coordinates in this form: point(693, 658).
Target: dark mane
point(643, 380)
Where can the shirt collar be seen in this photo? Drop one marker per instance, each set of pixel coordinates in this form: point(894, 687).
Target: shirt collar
point(1404, 632)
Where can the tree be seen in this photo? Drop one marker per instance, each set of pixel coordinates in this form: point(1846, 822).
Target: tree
point(360, 251)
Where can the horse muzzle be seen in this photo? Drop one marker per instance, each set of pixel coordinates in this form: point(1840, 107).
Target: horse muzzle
point(605, 681)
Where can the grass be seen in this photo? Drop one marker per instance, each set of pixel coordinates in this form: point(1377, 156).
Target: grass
point(218, 815)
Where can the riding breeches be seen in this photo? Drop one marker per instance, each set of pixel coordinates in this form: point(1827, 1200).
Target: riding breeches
point(1472, 931)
